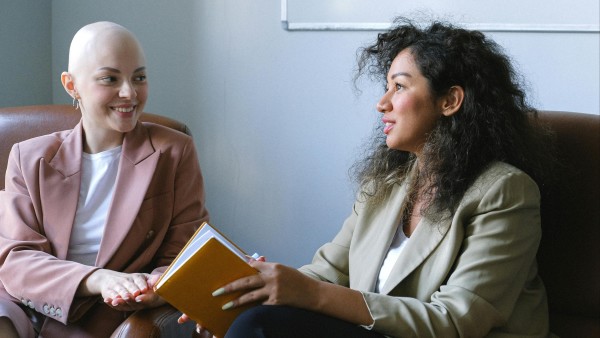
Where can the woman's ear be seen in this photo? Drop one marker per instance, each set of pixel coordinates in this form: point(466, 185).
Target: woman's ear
point(67, 81)
point(452, 101)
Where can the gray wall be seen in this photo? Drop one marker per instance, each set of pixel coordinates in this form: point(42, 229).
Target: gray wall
point(275, 119)
point(25, 52)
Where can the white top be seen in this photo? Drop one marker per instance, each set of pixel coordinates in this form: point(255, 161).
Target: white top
point(98, 177)
point(394, 251)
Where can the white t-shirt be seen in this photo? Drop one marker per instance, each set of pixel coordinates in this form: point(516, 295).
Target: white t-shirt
point(391, 258)
point(98, 177)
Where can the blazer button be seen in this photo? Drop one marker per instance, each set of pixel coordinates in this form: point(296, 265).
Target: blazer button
point(30, 304)
point(46, 309)
point(24, 301)
point(150, 234)
point(52, 311)
point(59, 312)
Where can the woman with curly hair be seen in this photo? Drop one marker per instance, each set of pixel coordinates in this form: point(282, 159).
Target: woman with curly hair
point(442, 239)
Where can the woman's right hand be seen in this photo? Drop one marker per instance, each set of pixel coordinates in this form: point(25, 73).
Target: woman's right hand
point(275, 284)
point(203, 333)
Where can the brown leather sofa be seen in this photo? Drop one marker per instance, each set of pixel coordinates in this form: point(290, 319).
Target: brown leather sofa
point(21, 123)
point(569, 256)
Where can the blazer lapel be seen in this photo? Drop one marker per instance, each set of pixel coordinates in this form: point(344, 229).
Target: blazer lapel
point(60, 179)
point(136, 169)
point(421, 244)
point(377, 242)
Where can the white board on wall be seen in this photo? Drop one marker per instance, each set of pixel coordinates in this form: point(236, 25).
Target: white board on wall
point(485, 15)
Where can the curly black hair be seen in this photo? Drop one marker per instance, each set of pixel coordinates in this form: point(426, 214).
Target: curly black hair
point(494, 123)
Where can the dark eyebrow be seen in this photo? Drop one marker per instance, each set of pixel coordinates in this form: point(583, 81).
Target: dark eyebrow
point(400, 74)
point(110, 69)
point(114, 70)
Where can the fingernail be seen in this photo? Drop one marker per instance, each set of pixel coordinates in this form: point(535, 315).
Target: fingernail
point(218, 292)
point(227, 306)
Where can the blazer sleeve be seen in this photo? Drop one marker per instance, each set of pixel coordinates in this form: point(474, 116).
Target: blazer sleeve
point(23, 244)
point(495, 265)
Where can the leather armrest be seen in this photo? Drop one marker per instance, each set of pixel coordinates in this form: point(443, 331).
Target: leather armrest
point(156, 322)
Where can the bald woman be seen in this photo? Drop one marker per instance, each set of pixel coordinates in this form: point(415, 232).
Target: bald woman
point(90, 217)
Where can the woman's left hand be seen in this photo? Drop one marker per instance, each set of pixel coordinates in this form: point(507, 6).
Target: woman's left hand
point(276, 284)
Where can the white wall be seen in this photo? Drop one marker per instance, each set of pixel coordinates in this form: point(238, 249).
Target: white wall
point(25, 57)
point(273, 113)
point(562, 69)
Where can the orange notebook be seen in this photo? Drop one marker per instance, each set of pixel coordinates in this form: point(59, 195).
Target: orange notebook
point(207, 262)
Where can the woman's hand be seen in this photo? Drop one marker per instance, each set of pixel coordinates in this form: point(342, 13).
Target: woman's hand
point(204, 333)
point(276, 284)
point(122, 291)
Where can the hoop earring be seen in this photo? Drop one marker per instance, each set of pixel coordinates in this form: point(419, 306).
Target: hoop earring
point(76, 103)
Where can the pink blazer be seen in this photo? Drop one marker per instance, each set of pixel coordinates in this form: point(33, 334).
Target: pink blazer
point(157, 205)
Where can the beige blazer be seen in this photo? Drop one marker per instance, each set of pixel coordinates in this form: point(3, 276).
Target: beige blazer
point(473, 275)
point(157, 205)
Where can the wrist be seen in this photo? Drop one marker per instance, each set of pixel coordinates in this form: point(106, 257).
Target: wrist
point(318, 295)
point(90, 285)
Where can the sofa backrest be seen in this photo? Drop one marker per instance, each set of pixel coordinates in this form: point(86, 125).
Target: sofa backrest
point(569, 254)
point(21, 123)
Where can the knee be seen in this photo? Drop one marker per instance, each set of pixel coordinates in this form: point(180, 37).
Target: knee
point(13, 319)
point(7, 328)
point(251, 323)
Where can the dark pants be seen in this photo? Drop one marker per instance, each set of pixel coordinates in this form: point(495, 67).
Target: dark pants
point(270, 321)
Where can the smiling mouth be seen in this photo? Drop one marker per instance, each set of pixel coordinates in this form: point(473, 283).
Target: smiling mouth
point(388, 126)
point(124, 110)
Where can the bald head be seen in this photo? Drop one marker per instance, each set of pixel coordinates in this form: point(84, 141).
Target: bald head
point(99, 39)
point(107, 80)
